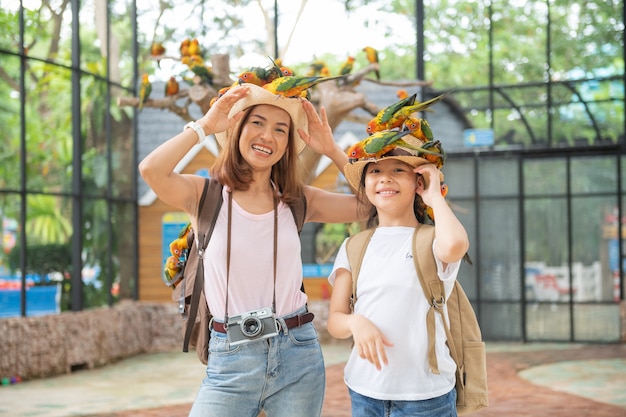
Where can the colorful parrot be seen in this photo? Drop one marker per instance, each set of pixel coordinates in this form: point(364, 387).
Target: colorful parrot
point(144, 90)
point(419, 127)
point(315, 68)
point(295, 85)
point(385, 114)
point(171, 87)
point(255, 75)
point(396, 119)
point(196, 65)
point(157, 50)
point(436, 154)
point(346, 67)
point(372, 57)
point(170, 270)
point(194, 48)
point(184, 47)
point(375, 145)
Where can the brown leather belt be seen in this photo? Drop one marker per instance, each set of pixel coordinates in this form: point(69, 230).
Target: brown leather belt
point(291, 322)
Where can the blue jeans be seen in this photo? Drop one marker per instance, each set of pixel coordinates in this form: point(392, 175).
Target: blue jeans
point(283, 375)
point(443, 406)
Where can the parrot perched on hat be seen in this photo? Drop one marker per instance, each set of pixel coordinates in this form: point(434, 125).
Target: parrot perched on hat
point(389, 119)
point(295, 85)
point(372, 57)
point(387, 113)
point(145, 89)
point(420, 128)
point(436, 154)
point(379, 143)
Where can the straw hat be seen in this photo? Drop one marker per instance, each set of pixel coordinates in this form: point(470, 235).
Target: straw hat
point(353, 171)
point(258, 95)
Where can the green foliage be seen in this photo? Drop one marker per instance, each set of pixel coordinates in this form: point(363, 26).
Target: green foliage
point(43, 259)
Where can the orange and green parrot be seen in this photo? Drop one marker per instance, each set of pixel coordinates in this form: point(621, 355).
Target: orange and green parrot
point(420, 128)
point(171, 268)
point(184, 47)
point(171, 87)
point(157, 50)
point(144, 90)
point(376, 144)
point(346, 67)
point(194, 48)
point(372, 57)
point(255, 75)
point(436, 154)
point(295, 86)
point(315, 68)
point(385, 114)
point(397, 118)
point(196, 65)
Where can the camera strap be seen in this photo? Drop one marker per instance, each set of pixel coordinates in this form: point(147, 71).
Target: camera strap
point(228, 244)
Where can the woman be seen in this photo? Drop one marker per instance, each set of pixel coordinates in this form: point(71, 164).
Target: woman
point(253, 268)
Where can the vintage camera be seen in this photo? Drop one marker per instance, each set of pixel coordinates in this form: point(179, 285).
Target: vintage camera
point(254, 325)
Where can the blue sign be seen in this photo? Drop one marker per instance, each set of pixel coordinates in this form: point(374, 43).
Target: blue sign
point(316, 270)
point(478, 137)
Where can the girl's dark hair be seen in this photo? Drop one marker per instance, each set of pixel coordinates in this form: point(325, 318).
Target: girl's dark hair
point(232, 170)
point(419, 208)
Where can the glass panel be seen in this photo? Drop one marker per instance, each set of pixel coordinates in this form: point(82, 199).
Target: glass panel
point(96, 178)
point(466, 213)
point(48, 245)
point(121, 61)
point(48, 128)
point(545, 176)
point(124, 251)
point(548, 322)
point(123, 155)
point(499, 250)
point(528, 57)
point(447, 49)
point(459, 175)
point(500, 321)
point(10, 256)
point(96, 241)
point(498, 177)
point(48, 31)
point(592, 277)
point(10, 134)
point(9, 21)
point(597, 323)
point(546, 257)
point(594, 174)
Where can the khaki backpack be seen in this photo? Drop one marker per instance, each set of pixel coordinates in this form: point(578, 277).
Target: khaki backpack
point(464, 337)
point(189, 282)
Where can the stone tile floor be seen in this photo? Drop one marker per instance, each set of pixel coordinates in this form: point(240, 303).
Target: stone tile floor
point(538, 380)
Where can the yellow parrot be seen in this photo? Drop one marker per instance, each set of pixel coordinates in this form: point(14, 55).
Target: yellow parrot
point(396, 119)
point(372, 57)
point(171, 87)
point(294, 86)
point(144, 90)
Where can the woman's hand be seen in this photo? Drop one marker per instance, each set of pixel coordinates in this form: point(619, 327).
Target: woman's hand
point(216, 119)
point(369, 341)
point(320, 135)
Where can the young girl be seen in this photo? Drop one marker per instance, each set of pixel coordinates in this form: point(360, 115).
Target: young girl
point(387, 373)
point(281, 369)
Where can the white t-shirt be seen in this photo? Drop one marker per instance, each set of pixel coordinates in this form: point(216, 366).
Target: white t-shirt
point(251, 281)
point(389, 294)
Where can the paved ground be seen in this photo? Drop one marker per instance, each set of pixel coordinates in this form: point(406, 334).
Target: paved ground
point(538, 380)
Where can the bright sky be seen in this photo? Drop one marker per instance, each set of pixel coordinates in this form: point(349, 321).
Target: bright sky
point(324, 27)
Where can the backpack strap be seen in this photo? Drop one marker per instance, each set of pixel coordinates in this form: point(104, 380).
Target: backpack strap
point(356, 245)
point(208, 210)
point(298, 209)
point(433, 288)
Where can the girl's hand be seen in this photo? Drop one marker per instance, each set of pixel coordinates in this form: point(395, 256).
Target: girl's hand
point(428, 183)
point(320, 135)
point(369, 341)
